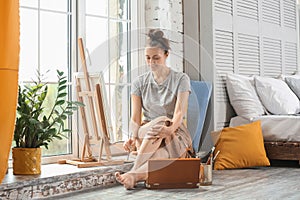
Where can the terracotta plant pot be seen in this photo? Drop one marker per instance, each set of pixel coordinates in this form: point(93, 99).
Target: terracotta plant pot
point(26, 161)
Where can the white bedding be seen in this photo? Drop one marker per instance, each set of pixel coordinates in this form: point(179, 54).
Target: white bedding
point(274, 127)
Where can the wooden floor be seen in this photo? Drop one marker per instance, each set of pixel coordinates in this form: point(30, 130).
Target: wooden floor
point(254, 183)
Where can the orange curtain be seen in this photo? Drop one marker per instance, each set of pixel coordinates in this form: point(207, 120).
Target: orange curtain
point(9, 67)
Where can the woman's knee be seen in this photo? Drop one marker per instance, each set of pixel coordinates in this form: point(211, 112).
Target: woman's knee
point(145, 128)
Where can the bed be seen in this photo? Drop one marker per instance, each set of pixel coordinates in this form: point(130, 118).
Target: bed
point(280, 144)
point(275, 102)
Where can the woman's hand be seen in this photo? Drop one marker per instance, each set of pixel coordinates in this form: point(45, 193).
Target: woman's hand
point(160, 131)
point(129, 145)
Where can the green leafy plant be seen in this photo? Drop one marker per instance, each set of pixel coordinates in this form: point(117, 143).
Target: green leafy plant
point(33, 127)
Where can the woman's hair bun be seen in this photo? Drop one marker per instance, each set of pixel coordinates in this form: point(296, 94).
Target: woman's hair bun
point(155, 34)
point(156, 39)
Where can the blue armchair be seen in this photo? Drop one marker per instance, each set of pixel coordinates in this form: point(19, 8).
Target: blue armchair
point(197, 108)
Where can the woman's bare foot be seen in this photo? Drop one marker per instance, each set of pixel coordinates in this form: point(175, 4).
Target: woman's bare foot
point(127, 179)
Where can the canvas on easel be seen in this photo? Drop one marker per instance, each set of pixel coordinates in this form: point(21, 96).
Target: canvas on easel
point(94, 119)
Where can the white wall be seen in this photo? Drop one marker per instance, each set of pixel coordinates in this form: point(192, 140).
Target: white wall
point(167, 15)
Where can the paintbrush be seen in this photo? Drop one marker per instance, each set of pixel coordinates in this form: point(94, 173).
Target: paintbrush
point(129, 147)
point(216, 155)
point(210, 157)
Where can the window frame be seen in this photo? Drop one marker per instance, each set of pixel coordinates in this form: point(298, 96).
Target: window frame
point(71, 63)
point(137, 58)
point(133, 21)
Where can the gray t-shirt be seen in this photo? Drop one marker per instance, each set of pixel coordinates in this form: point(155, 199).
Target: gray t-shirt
point(159, 99)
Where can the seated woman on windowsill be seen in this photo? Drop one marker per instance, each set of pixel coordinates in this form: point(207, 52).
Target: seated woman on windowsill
point(162, 95)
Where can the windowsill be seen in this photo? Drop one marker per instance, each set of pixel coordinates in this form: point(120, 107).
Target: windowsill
point(59, 179)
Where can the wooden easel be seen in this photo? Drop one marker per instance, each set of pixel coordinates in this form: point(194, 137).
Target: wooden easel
point(94, 105)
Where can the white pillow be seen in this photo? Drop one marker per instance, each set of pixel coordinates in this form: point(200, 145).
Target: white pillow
point(294, 84)
point(243, 97)
point(283, 76)
point(276, 96)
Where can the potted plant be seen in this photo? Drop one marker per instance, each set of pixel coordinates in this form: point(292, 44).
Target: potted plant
point(34, 128)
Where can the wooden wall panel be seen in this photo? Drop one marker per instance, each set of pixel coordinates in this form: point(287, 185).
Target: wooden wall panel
point(251, 37)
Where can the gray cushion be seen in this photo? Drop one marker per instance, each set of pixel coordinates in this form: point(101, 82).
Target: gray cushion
point(294, 84)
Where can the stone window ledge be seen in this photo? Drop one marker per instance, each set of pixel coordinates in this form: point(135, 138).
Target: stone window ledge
point(58, 179)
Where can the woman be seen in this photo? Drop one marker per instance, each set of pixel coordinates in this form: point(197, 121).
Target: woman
point(160, 97)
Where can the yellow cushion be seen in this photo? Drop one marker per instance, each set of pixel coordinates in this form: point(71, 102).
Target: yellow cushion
point(241, 147)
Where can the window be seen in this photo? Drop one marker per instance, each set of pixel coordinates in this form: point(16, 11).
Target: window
point(45, 45)
point(106, 29)
point(48, 37)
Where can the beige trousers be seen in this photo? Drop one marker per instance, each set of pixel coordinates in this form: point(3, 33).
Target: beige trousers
point(174, 146)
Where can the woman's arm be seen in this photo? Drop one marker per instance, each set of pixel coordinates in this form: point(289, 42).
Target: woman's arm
point(136, 109)
point(162, 131)
point(135, 122)
point(180, 110)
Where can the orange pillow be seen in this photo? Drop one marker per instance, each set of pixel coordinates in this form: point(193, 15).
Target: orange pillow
point(241, 147)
